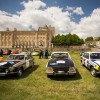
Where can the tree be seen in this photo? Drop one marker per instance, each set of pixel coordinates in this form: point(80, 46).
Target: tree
point(97, 39)
point(69, 39)
point(89, 39)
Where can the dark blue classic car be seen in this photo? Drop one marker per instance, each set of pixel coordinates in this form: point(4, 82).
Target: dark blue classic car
point(60, 63)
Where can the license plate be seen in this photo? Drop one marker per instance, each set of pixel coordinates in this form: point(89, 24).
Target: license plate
point(60, 71)
point(61, 61)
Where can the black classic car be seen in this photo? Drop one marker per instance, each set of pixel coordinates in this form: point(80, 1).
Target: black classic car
point(60, 63)
point(16, 64)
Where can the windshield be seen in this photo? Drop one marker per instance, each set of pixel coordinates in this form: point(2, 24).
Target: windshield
point(95, 55)
point(16, 57)
point(59, 55)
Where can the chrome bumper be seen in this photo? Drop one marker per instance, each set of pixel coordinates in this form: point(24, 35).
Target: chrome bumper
point(4, 74)
point(60, 73)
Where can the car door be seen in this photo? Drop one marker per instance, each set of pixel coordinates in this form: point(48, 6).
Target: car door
point(86, 59)
point(27, 62)
point(30, 60)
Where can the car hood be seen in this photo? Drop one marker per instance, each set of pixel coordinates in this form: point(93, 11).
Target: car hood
point(97, 62)
point(6, 64)
point(57, 62)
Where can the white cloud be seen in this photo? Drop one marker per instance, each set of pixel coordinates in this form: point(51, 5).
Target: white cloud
point(78, 11)
point(75, 10)
point(89, 26)
point(36, 13)
point(33, 4)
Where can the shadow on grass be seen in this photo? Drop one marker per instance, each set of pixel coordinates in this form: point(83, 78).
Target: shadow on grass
point(67, 78)
point(26, 73)
point(98, 76)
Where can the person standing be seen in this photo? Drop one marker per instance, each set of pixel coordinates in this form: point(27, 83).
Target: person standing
point(9, 52)
point(1, 52)
point(46, 54)
point(40, 54)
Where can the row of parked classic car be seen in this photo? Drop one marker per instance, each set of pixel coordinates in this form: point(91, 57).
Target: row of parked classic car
point(60, 63)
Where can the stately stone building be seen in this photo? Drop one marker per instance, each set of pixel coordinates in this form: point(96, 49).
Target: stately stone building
point(27, 39)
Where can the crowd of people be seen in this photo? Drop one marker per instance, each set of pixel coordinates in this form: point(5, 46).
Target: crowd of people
point(43, 54)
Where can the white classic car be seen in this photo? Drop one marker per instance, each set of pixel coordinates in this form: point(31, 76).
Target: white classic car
point(16, 64)
point(91, 60)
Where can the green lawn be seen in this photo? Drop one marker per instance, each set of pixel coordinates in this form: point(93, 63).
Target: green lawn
point(34, 84)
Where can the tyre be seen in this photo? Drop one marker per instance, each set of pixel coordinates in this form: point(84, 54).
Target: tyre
point(93, 72)
point(20, 72)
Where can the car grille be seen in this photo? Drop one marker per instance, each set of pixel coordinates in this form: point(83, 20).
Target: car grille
point(56, 69)
point(2, 69)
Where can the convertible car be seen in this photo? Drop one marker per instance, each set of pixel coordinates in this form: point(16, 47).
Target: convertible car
point(60, 63)
point(16, 64)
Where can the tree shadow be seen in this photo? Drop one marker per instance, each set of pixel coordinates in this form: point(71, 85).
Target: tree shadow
point(67, 78)
point(26, 73)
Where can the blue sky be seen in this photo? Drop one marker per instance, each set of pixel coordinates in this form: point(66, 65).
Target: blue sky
point(12, 6)
point(74, 12)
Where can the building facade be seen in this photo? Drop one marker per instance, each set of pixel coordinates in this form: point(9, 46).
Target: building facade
point(27, 39)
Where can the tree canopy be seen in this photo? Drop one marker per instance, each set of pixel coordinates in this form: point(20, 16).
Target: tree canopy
point(98, 39)
point(69, 39)
point(89, 39)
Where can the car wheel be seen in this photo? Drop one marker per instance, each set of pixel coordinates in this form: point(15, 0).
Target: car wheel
point(93, 72)
point(20, 72)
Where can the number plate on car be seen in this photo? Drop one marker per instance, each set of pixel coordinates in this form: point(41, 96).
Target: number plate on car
point(60, 71)
point(60, 61)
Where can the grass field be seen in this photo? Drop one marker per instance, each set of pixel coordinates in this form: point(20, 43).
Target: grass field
point(34, 84)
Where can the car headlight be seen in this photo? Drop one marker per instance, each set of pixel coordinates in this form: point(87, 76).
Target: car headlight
point(71, 69)
point(11, 68)
point(7, 70)
point(96, 67)
point(49, 69)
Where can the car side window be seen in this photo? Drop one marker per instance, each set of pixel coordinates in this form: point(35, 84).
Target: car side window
point(86, 55)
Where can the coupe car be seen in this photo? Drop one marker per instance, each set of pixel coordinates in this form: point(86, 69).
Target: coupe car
point(60, 63)
point(16, 64)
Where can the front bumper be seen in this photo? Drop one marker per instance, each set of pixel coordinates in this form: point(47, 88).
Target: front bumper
point(9, 73)
point(60, 73)
point(98, 72)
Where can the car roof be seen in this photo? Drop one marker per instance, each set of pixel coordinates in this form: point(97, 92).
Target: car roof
point(59, 52)
point(22, 53)
point(92, 52)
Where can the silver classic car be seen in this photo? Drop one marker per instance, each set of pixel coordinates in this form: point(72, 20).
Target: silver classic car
point(16, 64)
point(60, 63)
